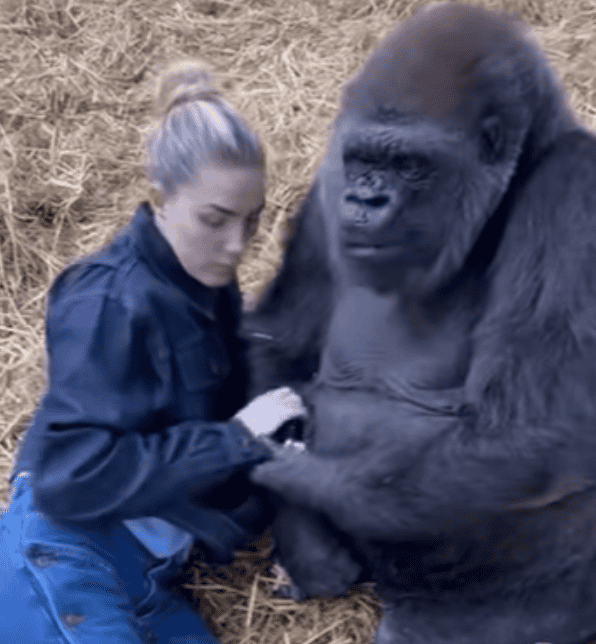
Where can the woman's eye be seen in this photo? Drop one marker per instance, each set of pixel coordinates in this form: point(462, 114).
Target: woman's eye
point(213, 220)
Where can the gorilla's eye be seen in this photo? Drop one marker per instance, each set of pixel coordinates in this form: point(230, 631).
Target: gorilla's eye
point(412, 168)
point(363, 156)
point(357, 167)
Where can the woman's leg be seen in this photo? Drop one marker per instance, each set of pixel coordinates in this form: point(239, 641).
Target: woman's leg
point(62, 586)
point(56, 589)
point(164, 616)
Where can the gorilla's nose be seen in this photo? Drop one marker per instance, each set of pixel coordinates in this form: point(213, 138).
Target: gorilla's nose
point(367, 211)
point(369, 189)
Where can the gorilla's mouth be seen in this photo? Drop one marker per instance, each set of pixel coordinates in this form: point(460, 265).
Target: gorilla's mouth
point(372, 251)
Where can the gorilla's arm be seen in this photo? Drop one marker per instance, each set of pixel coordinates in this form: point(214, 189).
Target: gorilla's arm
point(527, 436)
point(454, 479)
point(285, 331)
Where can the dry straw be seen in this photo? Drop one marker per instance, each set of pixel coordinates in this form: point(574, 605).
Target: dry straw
point(76, 90)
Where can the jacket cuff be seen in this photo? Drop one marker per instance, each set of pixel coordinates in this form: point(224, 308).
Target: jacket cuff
point(244, 447)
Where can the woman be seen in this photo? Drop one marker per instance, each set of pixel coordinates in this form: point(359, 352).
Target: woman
point(137, 449)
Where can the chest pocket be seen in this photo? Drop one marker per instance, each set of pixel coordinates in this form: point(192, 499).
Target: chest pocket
point(202, 361)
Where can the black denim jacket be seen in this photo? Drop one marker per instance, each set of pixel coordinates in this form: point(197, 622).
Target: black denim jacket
point(144, 372)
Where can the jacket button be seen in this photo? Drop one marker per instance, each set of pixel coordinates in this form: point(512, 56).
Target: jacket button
point(72, 619)
point(214, 366)
point(151, 637)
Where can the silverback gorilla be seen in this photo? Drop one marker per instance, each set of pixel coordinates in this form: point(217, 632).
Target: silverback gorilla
point(437, 309)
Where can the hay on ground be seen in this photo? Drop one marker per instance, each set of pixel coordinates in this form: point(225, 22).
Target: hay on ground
point(75, 99)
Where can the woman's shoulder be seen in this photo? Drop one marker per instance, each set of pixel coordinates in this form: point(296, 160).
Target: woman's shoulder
point(97, 294)
point(114, 272)
point(99, 274)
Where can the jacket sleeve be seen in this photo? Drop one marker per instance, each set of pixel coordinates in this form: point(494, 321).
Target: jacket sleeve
point(102, 447)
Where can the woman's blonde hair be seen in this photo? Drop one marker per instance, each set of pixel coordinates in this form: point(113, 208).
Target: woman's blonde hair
point(194, 126)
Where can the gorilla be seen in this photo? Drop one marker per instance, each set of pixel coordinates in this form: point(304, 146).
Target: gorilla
point(436, 308)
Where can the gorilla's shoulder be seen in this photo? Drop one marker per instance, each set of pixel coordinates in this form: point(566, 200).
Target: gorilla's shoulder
point(579, 144)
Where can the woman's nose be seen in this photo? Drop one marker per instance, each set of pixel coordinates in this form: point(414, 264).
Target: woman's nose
point(234, 241)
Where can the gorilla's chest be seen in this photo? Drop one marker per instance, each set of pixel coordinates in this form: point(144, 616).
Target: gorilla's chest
point(382, 378)
point(372, 345)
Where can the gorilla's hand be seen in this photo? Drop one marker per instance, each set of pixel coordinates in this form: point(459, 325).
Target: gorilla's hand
point(297, 475)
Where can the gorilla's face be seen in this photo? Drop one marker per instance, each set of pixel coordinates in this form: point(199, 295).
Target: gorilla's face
point(398, 190)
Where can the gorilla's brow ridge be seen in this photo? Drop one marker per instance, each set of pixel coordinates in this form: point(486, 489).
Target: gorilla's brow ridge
point(381, 144)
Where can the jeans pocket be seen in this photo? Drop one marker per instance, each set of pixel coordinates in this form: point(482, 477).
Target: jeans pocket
point(81, 592)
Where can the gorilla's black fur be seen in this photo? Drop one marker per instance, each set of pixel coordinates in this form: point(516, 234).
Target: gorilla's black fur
point(437, 308)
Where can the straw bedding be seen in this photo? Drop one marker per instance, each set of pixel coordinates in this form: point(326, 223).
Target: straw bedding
point(76, 84)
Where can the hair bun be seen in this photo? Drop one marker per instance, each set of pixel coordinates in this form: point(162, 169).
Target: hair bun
point(183, 81)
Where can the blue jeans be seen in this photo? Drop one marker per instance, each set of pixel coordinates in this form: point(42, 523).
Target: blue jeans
point(61, 586)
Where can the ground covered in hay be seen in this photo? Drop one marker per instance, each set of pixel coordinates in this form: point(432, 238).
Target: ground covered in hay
point(75, 97)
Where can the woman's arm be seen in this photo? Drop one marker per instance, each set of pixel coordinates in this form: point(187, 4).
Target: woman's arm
point(101, 448)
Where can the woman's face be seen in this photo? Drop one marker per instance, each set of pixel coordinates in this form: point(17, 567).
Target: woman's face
point(208, 223)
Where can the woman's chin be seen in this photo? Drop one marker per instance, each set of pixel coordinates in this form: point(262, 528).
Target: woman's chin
point(215, 277)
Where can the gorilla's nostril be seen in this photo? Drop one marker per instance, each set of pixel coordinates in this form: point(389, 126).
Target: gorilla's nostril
point(377, 202)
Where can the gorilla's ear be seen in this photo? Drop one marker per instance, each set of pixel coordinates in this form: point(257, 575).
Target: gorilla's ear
point(491, 138)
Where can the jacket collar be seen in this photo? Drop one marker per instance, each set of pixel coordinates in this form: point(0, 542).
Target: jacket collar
point(158, 254)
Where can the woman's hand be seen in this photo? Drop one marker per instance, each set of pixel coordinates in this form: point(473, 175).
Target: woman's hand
point(269, 411)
